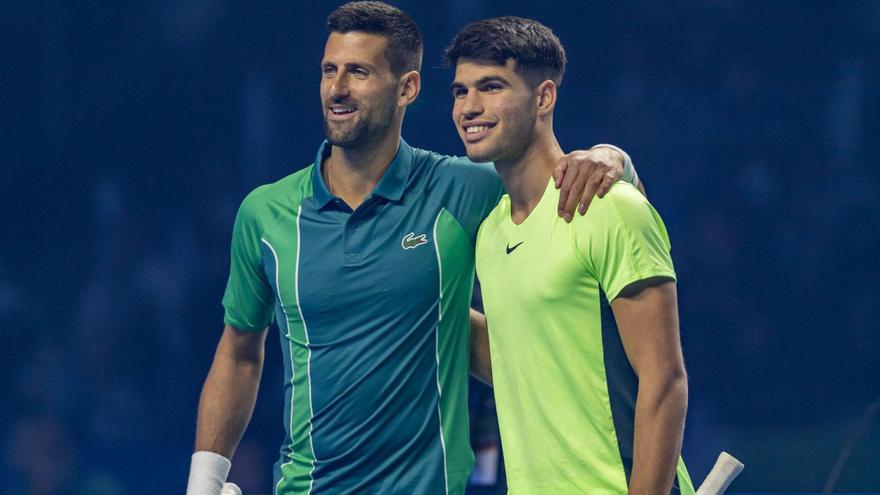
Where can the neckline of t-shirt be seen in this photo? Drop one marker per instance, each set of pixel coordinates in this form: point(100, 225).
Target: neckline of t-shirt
point(551, 183)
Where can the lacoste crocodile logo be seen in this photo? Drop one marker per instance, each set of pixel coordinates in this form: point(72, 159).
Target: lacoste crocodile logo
point(411, 241)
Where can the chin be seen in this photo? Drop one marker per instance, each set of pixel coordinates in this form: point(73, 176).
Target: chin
point(344, 136)
point(481, 156)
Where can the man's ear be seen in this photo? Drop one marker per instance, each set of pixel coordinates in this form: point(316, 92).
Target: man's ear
point(408, 88)
point(546, 97)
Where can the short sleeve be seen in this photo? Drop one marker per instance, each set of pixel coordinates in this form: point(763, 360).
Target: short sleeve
point(622, 240)
point(248, 300)
point(472, 191)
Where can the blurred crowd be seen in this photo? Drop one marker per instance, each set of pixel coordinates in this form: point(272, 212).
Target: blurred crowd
point(136, 130)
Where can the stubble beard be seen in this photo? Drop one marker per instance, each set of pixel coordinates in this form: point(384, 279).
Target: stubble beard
point(364, 130)
point(346, 134)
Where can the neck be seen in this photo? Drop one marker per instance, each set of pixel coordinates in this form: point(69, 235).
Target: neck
point(353, 173)
point(525, 178)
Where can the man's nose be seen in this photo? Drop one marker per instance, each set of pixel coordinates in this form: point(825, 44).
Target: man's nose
point(339, 86)
point(472, 105)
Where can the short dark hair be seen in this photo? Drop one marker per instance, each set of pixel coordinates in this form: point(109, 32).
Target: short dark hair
point(537, 51)
point(404, 51)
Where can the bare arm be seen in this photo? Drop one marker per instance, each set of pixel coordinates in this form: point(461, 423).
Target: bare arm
point(481, 361)
point(230, 391)
point(647, 318)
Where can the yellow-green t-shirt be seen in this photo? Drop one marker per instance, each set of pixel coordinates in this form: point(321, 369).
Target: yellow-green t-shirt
point(564, 389)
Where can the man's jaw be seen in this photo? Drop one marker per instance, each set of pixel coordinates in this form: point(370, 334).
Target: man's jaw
point(480, 150)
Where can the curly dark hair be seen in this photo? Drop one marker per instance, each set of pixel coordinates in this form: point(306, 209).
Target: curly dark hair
point(537, 51)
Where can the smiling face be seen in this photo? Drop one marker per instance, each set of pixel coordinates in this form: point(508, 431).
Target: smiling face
point(358, 89)
point(494, 110)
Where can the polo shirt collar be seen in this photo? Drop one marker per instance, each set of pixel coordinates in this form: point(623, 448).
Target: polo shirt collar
point(391, 186)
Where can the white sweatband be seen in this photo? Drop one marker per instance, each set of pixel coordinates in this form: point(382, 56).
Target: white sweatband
point(629, 170)
point(207, 473)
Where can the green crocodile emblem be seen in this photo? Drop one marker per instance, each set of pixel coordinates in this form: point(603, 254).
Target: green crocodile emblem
point(411, 240)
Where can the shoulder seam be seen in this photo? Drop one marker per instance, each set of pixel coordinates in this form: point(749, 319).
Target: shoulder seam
point(296, 184)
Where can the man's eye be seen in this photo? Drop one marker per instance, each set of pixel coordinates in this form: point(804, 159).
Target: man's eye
point(492, 88)
point(459, 92)
point(329, 70)
point(360, 73)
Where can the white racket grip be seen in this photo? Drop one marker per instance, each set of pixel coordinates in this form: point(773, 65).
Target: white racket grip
point(726, 469)
point(230, 489)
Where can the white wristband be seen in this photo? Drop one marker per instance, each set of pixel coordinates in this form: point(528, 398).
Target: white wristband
point(207, 473)
point(629, 170)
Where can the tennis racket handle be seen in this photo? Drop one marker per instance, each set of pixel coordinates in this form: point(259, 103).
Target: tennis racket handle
point(726, 469)
point(230, 489)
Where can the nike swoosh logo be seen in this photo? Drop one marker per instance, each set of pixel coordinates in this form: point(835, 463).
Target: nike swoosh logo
point(510, 249)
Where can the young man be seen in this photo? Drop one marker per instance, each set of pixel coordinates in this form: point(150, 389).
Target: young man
point(589, 379)
point(365, 260)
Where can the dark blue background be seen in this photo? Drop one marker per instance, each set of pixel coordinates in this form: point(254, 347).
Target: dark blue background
point(132, 130)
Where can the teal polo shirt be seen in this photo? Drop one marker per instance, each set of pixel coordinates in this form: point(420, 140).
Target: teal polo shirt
point(372, 308)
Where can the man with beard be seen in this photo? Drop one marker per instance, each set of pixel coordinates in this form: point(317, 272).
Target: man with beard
point(366, 261)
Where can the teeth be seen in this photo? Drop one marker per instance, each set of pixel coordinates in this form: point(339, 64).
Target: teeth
point(341, 111)
point(475, 129)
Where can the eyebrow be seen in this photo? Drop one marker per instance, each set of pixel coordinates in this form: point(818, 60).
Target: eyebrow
point(487, 79)
point(481, 81)
point(351, 65)
point(363, 65)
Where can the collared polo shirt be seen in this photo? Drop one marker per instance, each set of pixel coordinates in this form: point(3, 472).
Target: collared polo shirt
point(372, 307)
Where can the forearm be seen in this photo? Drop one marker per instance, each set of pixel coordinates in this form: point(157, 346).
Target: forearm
point(661, 406)
point(227, 401)
point(481, 360)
